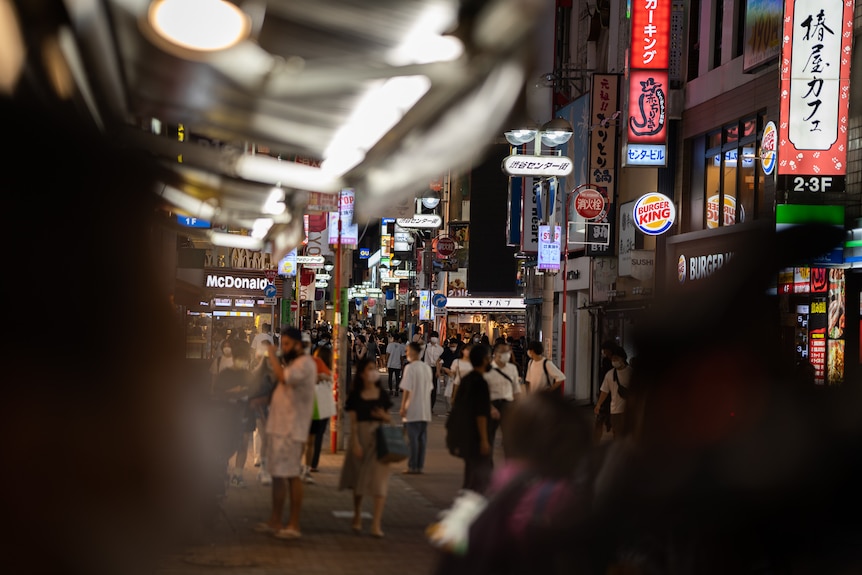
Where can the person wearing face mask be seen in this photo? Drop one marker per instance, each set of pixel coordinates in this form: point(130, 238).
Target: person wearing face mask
point(504, 385)
point(431, 355)
point(616, 384)
point(222, 361)
point(287, 427)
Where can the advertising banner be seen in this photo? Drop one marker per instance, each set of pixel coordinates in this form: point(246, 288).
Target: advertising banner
point(815, 95)
point(513, 213)
point(549, 248)
point(762, 32)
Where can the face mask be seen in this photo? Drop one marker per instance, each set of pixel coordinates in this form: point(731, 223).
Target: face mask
point(618, 363)
point(226, 351)
point(453, 347)
point(475, 340)
point(504, 357)
point(434, 340)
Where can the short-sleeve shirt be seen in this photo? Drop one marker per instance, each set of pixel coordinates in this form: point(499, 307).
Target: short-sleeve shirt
point(418, 380)
point(394, 350)
point(609, 386)
point(292, 403)
point(503, 381)
point(536, 380)
point(364, 407)
point(476, 398)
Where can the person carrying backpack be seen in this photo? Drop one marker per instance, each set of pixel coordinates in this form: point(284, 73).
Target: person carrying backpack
point(542, 374)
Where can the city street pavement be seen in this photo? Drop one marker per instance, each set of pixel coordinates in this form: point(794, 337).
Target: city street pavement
point(328, 544)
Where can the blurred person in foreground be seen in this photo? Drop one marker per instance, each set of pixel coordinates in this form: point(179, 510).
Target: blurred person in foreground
point(546, 440)
point(733, 463)
point(81, 500)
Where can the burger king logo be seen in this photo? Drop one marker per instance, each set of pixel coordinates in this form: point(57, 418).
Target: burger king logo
point(654, 214)
point(680, 268)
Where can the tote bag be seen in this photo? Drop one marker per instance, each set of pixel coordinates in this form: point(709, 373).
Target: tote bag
point(391, 445)
point(324, 403)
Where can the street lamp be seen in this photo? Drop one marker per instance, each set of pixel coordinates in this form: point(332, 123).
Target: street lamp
point(554, 133)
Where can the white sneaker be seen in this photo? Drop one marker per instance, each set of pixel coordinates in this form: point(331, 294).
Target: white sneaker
point(306, 475)
point(264, 478)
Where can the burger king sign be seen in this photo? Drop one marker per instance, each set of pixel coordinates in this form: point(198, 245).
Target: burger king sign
point(654, 213)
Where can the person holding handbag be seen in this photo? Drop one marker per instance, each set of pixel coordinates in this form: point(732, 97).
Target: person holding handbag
point(368, 407)
point(324, 409)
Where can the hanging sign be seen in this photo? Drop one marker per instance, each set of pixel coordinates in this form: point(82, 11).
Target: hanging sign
point(420, 222)
point(590, 204)
point(654, 213)
point(768, 148)
point(537, 166)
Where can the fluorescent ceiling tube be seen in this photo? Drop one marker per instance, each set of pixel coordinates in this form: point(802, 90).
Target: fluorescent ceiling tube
point(273, 171)
point(188, 204)
point(227, 240)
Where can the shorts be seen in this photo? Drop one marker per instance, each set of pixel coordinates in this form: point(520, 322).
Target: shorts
point(283, 455)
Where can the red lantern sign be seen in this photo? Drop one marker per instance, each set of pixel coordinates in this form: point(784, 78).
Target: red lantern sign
point(445, 246)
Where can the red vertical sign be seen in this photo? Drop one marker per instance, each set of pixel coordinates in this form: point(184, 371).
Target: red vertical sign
point(648, 75)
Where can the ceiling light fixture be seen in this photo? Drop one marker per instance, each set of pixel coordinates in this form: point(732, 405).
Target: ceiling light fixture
point(201, 25)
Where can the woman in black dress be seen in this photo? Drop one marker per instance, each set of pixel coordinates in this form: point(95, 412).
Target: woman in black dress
point(367, 406)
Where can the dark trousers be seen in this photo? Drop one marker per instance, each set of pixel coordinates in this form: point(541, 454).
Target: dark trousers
point(494, 424)
point(477, 473)
point(433, 387)
point(394, 371)
point(417, 437)
point(319, 426)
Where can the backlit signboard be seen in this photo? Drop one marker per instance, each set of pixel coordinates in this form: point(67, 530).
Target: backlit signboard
point(549, 248)
point(647, 116)
point(815, 95)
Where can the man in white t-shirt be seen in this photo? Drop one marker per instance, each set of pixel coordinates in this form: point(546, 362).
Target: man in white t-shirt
point(265, 335)
point(287, 425)
point(393, 363)
point(503, 385)
point(417, 385)
point(542, 374)
point(619, 376)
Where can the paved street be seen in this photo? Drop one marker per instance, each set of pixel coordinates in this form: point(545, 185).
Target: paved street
point(328, 545)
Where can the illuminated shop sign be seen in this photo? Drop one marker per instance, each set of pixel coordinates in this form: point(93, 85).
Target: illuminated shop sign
point(815, 95)
point(654, 214)
point(762, 32)
point(692, 268)
point(731, 158)
point(648, 81)
point(549, 248)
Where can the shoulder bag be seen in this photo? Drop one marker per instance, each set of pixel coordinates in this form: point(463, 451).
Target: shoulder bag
point(391, 445)
point(622, 390)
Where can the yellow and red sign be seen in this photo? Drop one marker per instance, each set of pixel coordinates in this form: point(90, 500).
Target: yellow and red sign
point(654, 213)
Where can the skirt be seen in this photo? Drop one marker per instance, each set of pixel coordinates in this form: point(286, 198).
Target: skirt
point(365, 476)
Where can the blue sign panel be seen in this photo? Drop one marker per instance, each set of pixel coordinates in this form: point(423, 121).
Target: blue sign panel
point(364, 253)
point(191, 222)
point(270, 291)
point(439, 300)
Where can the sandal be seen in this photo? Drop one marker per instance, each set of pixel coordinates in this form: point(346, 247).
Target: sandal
point(288, 533)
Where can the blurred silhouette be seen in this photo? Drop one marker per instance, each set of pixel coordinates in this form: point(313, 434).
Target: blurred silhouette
point(95, 422)
point(734, 463)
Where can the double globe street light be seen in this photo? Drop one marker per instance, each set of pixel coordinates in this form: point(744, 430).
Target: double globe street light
point(554, 133)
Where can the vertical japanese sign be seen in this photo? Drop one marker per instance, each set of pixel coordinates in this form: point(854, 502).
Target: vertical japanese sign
point(817, 337)
point(815, 95)
point(549, 248)
point(349, 231)
point(603, 148)
point(529, 222)
point(646, 134)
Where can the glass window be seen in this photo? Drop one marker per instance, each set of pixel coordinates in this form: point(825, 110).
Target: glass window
point(733, 180)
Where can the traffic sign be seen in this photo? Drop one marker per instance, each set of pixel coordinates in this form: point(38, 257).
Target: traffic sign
point(270, 275)
point(294, 306)
point(439, 300)
point(269, 291)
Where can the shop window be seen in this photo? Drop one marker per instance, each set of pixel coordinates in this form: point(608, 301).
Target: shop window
point(732, 179)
